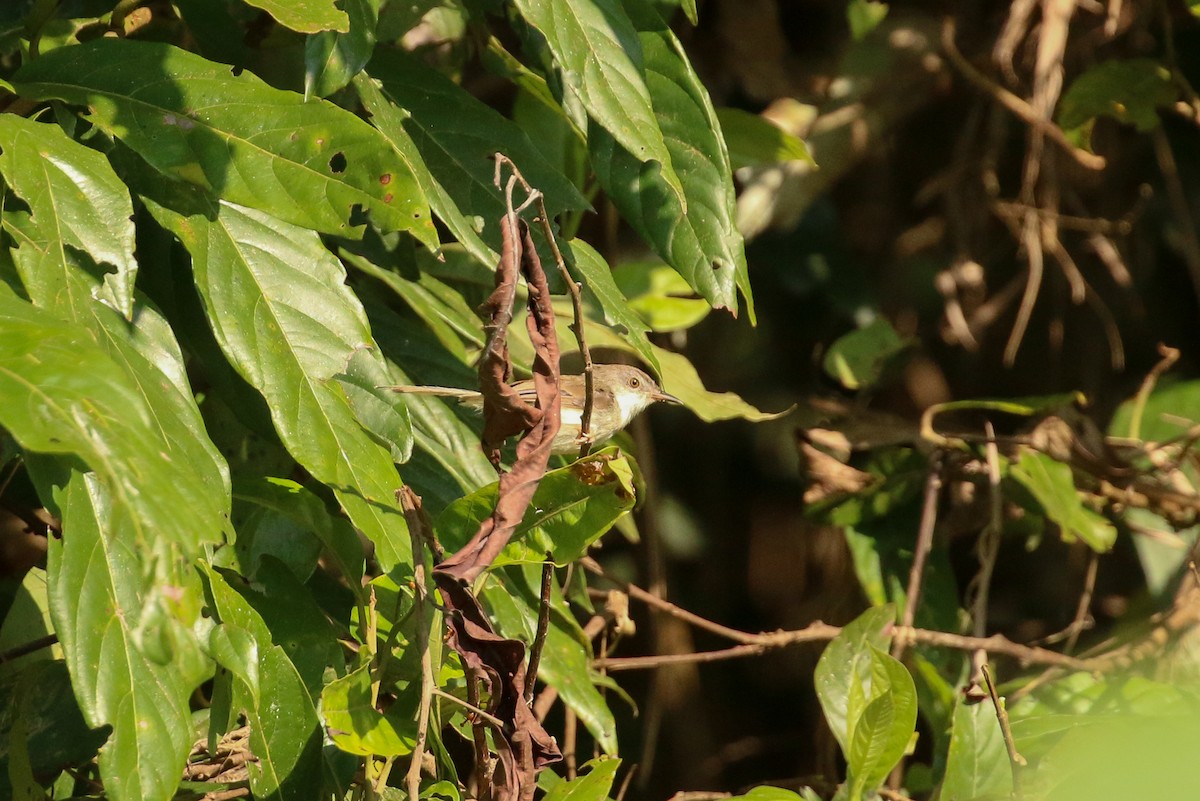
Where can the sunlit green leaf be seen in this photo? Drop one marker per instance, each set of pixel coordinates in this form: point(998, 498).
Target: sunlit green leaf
point(977, 765)
point(755, 141)
point(305, 16)
point(1053, 484)
point(75, 200)
point(698, 238)
point(99, 599)
point(593, 784)
point(332, 58)
point(309, 163)
point(66, 395)
point(883, 730)
point(843, 674)
point(860, 359)
point(356, 726)
point(596, 47)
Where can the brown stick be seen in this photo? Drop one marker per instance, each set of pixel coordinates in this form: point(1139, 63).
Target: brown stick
point(1013, 103)
point(1015, 760)
point(933, 486)
point(418, 523)
point(543, 627)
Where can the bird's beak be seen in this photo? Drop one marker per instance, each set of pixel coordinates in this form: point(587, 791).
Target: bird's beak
point(663, 397)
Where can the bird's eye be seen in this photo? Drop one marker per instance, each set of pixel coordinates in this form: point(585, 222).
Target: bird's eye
point(635, 382)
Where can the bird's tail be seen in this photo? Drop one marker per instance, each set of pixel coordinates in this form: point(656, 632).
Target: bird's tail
point(469, 397)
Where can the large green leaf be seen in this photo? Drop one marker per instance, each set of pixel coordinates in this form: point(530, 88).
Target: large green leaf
point(281, 312)
point(64, 394)
point(75, 200)
point(309, 163)
point(456, 135)
point(285, 735)
point(99, 599)
point(596, 47)
point(977, 765)
point(1053, 484)
point(572, 508)
point(698, 238)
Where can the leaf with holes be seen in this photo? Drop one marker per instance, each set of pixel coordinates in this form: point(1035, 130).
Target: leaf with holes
point(309, 163)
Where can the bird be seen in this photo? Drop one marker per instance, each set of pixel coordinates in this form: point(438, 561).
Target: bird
point(619, 393)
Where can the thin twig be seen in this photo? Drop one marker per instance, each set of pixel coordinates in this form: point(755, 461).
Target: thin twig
point(1169, 357)
point(570, 741)
point(543, 627)
point(933, 486)
point(988, 550)
point(820, 632)
point(573, 287)
point(1013, 103)
point(483, 757)
point(28, 648)
point(469, 705)
point(1080, 621)
point(1015, 760)
point(418, 523)
point(650, 599)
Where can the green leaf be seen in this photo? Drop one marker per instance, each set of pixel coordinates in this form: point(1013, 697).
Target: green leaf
point(754, 141)
point(882, 733)
point(99, 599)
point(572, 508)
point(285, 735)
point(309, 163)
point(597, 49)
point(356, 726)
point(765, 793)
point(699, 237)
point(864, 16)
point(455, 136)
point(26, 620)
point(332, 59)
point(287, 499)
point(75, 200)
point(281, 312)
point(565, 661)
point(236, 650)
point(65, 395)
point(860, 359)
point(659, 295)
point(1168, 413)
point(1129, 91)
point(305, 16)
point(977, 765)
point(1053, 485)
point(843, 673)
point(594, 785)
point(598, 283)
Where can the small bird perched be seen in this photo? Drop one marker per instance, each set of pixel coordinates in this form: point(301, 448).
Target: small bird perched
point(619, 394)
